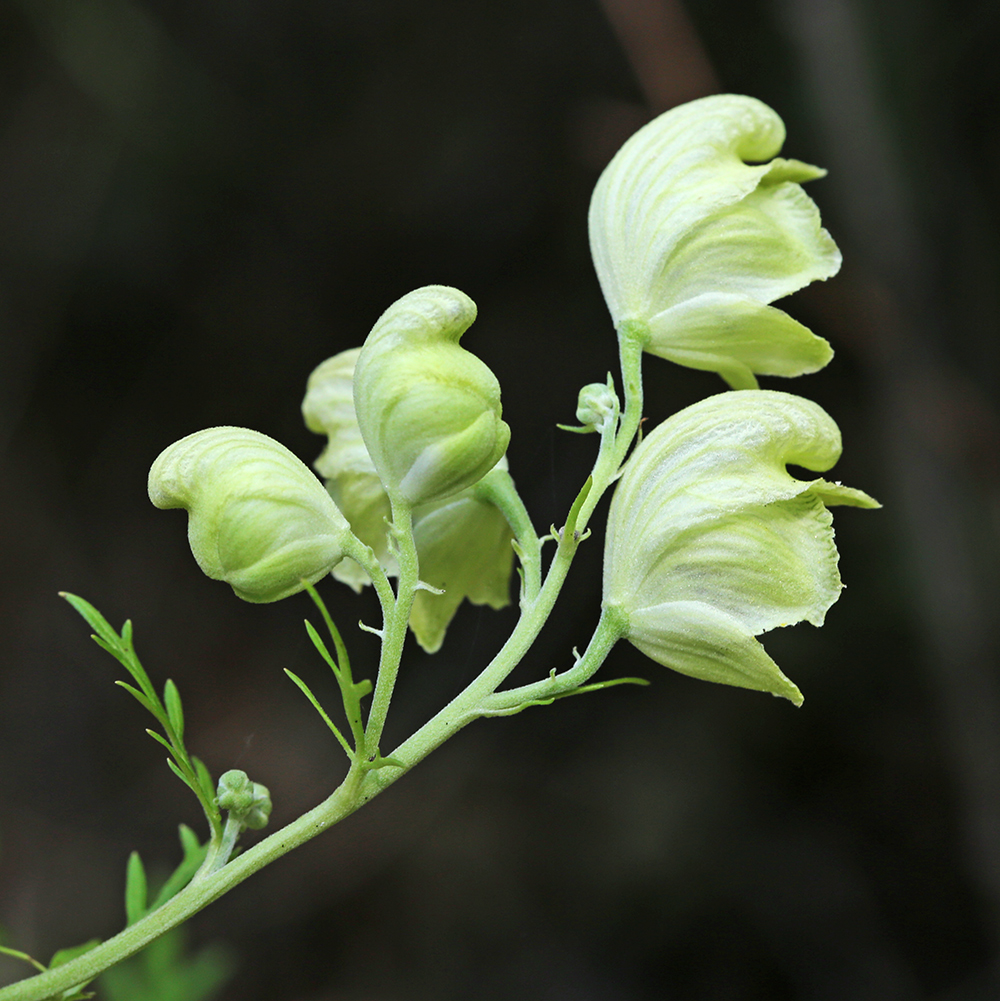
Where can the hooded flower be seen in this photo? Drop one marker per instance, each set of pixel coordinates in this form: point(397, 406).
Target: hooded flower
point(428, 410)
point(463, 543)
point(257, 517)
point(695, 230)
point(711, 541)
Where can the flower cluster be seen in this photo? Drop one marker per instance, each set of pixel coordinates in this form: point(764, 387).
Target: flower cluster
point(412, 419)
point(696, 227)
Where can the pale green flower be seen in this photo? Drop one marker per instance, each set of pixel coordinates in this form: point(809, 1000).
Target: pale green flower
point(695, 229)
point(463, 543)
point(257, 517)
point(711, 541)
point(464, 548)
point(429, 411)
point(345, 465)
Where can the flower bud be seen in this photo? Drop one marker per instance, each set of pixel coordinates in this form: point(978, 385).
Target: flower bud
point(695, 229)
point(257, 517)
point(234, 791)
point(463, 543)
point(597, 405)
point(711, 541)
point(429, 411)
point(246, 801)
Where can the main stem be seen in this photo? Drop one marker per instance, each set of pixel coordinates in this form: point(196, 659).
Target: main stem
point(199, 893)
point(361, 783)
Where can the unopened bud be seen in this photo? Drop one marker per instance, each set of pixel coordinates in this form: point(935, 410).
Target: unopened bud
point(257, 517)
point(597, 406)
point(247, 802)
point(429, 411)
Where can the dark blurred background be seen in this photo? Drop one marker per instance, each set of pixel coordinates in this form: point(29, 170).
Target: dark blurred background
point(199, 202)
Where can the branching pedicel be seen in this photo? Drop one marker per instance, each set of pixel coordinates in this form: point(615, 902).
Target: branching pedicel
point(695, 229)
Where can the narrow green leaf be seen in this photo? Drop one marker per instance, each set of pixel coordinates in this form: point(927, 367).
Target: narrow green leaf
point(17, 954)
point(574, 511)
point(342, 658)
point(317, 642)
point(548, 700)
point(65, 955)
point(189, 782)
point(135, 890)
point(138, 672)
point(175, 712)
point(326, 719)
point(205, 782)
point(94, 619)
point(194, 854)
point(143, 701)
point(189, 840)
point(111, 648)
point(163, 740)
point(599, 685)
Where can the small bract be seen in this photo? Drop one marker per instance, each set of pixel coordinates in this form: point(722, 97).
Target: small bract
point(695, 230)
point(257, 517)
point(429, 411)
point(711, 541)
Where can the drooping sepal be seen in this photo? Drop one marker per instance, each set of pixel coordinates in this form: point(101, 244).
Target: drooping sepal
point(257, 517)
point(428, 410)
point(694, 230)
point(711, 541)
point(464, 548)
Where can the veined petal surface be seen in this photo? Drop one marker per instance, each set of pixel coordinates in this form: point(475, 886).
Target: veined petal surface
point(707, 515)
point(687, 209)
point(257, 517)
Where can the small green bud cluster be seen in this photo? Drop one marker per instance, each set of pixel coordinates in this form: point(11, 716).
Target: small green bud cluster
point(249, 803)
point(597, 406)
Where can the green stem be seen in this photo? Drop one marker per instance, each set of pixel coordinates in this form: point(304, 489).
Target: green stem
point(194, 897)
point(497, 488)
point(365, 558)
point(632, 337)
point(610, 629)
point(229, 835)
point(467, 705)
point(394, 624)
